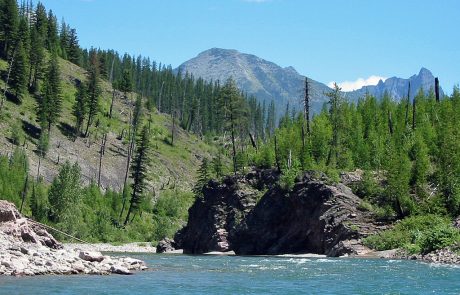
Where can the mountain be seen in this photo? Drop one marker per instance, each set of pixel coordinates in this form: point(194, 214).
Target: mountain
point(256, 76)
point(397, 88)
point(268, 81)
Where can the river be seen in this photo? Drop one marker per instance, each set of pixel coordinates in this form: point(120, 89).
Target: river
point(183, 274)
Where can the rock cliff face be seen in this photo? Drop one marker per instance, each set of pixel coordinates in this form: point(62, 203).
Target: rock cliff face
point(313, 217)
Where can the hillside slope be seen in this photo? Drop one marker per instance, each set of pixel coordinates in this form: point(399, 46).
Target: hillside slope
point(169, 163)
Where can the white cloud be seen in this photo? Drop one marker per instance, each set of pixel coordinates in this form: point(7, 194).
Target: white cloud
point(359, 83)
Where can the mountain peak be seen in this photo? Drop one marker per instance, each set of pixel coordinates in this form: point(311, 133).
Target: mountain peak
point(425, 72)
point(270, 82)
point(257, 76)
point(219, 52)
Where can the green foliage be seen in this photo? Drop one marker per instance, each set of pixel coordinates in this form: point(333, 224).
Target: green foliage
point(18, 78)
point(93, 90)
point(417, 234)
point(170, 211)
point(50, 101)
point(43, 144)
point(139, 168)
point(9, 22)
point(289, 175)
point(65, 194)
point(80, 108)
point(18, 135)
point(13, 172)
point(203, 177)
point(265, 157)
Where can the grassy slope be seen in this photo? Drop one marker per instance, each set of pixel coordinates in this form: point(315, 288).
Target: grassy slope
point(170, 164)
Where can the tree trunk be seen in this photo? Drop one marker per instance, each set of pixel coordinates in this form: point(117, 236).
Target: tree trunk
point(87, 125)
point(7, 81)
point(111, 104)
point(276, 156)
point(253, 142)
point(129, 211)
point(173, 127)
point(390, 122)
point(436, 88)
point(407, 107)
point(233, 142)
point(24, 192)
point(101, 153)
point(39, 164)
point(307, 105)
point(128, 161)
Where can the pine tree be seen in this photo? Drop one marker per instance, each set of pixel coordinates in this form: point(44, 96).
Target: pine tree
point(126, 83)
point(73, 49)
point(41, 22)
point(50, 102)
point(80, 108)
point(93, 91)
point(64, 39)
point(52, 41)
point(335, 101)
point(9, 23)
point(139, 171)
point(235, 110)
point(203, 177)
point(36, 56)
point(18, 78)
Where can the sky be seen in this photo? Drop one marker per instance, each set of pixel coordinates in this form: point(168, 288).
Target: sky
point(351, 42)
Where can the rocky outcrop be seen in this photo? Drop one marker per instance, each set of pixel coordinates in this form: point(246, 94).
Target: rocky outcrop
point(166, 245)
point(28, 249)
point(217, 213)
point(314, 217)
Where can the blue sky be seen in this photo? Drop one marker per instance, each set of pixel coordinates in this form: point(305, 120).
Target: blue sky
point(328, 41)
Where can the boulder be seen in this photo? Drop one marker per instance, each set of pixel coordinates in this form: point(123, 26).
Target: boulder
point(8, 211)
point(28, 249)
point(166, 245)
point(91, 256)
point(121, 270)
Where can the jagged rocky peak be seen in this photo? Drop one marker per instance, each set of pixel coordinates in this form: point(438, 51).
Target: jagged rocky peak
point(271, 82)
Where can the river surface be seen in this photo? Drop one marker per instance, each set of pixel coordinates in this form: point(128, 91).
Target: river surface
point(182, 274)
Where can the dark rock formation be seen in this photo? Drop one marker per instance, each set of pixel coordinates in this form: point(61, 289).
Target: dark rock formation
point(313, 217)
point(212, 217)
point(166, 245)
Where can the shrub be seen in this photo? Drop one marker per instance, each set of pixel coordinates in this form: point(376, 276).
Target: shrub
point(416, 234)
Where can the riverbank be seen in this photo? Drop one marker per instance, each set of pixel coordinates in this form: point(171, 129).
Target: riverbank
point(138, 247)
point(28, 249)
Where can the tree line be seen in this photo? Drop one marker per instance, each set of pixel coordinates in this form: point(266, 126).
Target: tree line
point(409, 150)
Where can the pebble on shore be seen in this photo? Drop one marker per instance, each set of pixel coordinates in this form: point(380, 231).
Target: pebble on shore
point(27, 249)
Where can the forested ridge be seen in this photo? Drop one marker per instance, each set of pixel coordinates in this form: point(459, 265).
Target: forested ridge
point(409, 151)
point(132, 99)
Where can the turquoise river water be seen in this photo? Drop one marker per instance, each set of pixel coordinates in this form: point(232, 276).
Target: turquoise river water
point(183, 274)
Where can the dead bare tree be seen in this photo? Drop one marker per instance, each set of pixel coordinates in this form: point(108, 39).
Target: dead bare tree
point(436, 88)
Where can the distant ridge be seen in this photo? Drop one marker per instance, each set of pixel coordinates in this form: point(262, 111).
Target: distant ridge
point(268, 81)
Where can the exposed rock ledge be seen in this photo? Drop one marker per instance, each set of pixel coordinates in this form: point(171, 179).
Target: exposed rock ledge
point(27, 249)
point(251, 215)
